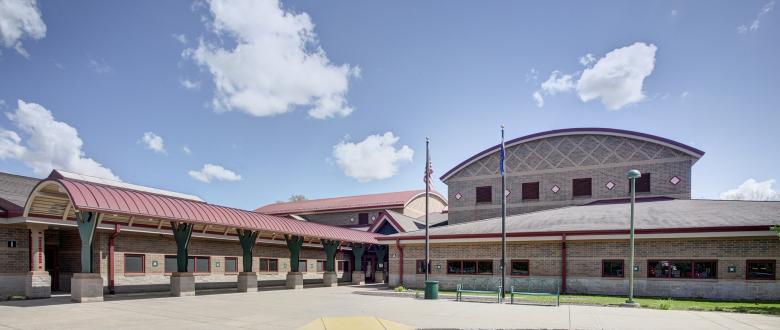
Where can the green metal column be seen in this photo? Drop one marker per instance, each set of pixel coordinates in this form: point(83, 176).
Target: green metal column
point(358, 250)
point(381, 253)
point(247, 238)
point(87, 223)
point(294, 244)
point(330, 254)
point(182, 232)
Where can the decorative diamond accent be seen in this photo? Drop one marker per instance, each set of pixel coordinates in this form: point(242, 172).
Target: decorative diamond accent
point(610, 185)
point(458, 196)
point(675, 180)
point(555, 189)
point(507, 192)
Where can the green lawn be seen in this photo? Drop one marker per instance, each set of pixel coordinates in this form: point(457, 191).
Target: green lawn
point(764, 307)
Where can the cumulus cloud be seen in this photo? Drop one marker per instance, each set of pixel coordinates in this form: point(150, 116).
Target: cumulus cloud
point(211, 172)
point(190, 84)
point(181, 38)
point(186, 150)
point(618, 77)
point(753, 26)
point(275, 63)
point(20, 19)
point(50, 144)
point(539, 99)
point(374, 158)
point(587, 59)
point(752, 190)
point(154, 142)
point(556, 83)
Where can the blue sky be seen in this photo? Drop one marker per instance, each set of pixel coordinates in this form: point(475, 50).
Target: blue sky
point(278, 118)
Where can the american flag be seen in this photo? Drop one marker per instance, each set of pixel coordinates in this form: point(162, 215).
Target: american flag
point(428, 173)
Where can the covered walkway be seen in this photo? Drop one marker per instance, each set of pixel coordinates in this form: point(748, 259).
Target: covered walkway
point(90, 203)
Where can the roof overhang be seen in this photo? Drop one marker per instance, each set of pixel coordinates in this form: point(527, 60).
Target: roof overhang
point(691, 151)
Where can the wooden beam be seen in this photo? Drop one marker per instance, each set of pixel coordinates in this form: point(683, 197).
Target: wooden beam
point(206, 227)
point(130, 223)
point(67, 210)
point(226, 230)
point(160, 224)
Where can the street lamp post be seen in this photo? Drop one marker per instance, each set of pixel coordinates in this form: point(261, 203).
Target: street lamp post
point(632, 176)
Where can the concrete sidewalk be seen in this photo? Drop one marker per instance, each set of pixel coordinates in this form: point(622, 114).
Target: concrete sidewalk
point(286, 309)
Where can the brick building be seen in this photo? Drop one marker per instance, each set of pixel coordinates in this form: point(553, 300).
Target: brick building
point(568, 221)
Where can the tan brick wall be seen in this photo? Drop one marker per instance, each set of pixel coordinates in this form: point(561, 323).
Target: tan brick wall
point(17, 259)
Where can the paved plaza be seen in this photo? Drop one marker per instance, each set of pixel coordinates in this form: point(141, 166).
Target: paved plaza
point(289, 309)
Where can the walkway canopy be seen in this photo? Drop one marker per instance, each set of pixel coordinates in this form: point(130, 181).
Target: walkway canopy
point(62, 194)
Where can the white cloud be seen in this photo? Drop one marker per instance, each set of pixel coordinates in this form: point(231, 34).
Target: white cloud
point(181, 38)
point(19, 19)
point(99, 66)
point(587, 59)
point(556, 83)
point(532, 75)
point(154, 142)
point(189, 84)
point(186, 150)
point(753, 26)
point(374, 158)
point(539, 99)
point(211, 172)
point(618, 77)
point(50, 144)
point(276, 64)
point(754, 191)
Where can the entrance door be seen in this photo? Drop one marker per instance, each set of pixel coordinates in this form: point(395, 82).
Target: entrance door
point(52, 266)
point(369, 265)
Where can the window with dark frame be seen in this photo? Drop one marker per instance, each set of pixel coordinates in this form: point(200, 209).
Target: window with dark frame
point(520, 268)
point(134, 264)
point(343, 265)
point(170, 264)
point(362, 218)
point(642, 184)
point(195, 264)
point(470, 267)
point(420, 267)
point(269, 265)
point(302, 265)
point(484, 194)
point(320, 266)
point(612, 268)
point(760, 269)
point(530, 191)
point(697, 269)
point(231, 265)
point(581, 187)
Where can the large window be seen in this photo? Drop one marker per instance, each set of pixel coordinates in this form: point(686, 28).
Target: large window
point(302, 265)
point(269, 265)
point(470, 267)
point(760, 269)
point(701, 269)
point(530, 191)
point(581, 187)
point(362, 218)
point(520, 268)
point(612, 268)
point(134, 264)
point(320, 266)
point(420, 267)
point(231, 265)
point(484, 194)
point(194, 264)
point(642, 184)
point(170, 264)
point(342, 265)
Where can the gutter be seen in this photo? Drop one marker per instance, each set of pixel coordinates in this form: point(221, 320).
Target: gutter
point(401, 263)
point(111, 258)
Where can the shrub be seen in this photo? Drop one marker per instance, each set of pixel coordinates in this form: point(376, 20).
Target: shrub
point(665, 305)
point(400, 288)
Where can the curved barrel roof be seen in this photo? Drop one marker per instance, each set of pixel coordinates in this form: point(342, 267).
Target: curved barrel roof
point(106, 198)
point(383, 200)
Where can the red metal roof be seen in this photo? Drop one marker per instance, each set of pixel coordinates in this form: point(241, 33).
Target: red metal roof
point(383, 200)
point(90, 196)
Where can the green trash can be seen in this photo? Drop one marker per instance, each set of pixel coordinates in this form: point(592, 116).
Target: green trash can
point(431, 289)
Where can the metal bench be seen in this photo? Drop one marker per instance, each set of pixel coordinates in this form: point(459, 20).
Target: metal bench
point(460, 291)
point(557, 294)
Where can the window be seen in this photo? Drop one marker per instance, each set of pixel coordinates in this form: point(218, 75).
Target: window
point(320, 266)
point(642, 184)
point(700, 269)
point(134, 263)
point(343, 265)
point(530, 191)
point(581, 187)
point(612, 268)
point(362, 218)
point(760, 269)
point(470, 267)
point(170, 264)
point(194, 264)
point(485, 194)
point(420, 268)
point(302, 265)
point(269, 265)
point(231, 265)
point(520, 268)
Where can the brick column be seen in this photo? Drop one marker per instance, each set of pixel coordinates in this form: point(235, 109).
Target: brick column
point(37, 282)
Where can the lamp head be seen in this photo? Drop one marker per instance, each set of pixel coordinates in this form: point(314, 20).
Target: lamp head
point(634, 174)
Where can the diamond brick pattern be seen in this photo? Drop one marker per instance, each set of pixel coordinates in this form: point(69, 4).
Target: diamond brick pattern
point(610, 185)
point(555, 189)
point(675, 180)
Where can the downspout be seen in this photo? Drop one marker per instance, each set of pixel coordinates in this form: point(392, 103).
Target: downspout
point(29, 248)
point(111, 258)
point(563, 263)
point(400, 263)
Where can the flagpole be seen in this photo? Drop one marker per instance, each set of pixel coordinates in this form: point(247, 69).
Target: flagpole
point(503, 218)
point(427, 191)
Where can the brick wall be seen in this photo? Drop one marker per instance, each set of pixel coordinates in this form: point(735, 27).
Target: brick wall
point(14, 259)
point(584, 266)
